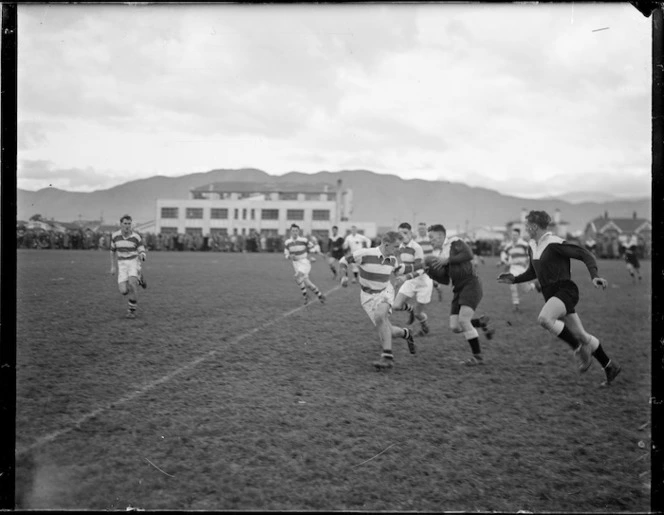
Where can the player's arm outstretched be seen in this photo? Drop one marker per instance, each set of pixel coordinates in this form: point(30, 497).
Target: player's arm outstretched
point(571, 251)
point(528, 275)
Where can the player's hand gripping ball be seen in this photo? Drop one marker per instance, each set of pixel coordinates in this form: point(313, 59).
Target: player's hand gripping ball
point(438, 272)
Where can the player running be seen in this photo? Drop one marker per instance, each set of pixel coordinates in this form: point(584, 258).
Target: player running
point(422, 238)
point(296, 249)
point(375, 266)
point(335, 250)
point(631, 259)
point(415, 285)
point(458, 269)
point(353, 242)
point(515, 256)
point(550, 263)
point(128, 249)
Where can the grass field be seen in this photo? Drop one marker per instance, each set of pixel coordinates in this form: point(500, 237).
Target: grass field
point(226, 394)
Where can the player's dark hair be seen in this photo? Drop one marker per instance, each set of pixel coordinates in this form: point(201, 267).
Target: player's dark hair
point(335, 227)
point(516, 230)
point(125, 217)
point(437, 228)
point(405, 225)
point(391, 237)
point(422, 223)
point(540, 218)
point(294, 226)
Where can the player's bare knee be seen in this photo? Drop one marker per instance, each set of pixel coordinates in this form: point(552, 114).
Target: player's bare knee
point(545, 322)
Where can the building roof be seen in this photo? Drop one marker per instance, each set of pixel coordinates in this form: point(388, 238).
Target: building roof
point(264, 187)
point(626, 225)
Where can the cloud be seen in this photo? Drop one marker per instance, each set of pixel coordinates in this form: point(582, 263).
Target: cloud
point(45, 174)
point(30, 134)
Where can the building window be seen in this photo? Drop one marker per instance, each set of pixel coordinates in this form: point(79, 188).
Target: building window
point(169, 212)
point(193, 231)
point(236, 213)
point(219, 231)
point(269, 232)
point(320, 214)
point(312, 196)
point(198, 195)
point(219, 213)
point(295, 214)
point(194, 212)
point(169, 230)
point(253, 214)
point(269, 214)
point(287, 196)
point(244, 214)
point(332, 196)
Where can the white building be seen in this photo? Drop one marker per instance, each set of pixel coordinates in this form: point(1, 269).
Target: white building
point(242, 208)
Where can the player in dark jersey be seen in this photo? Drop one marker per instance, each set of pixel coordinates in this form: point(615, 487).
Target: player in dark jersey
point(335, 250)
point(550, 264)
point(631, 259)
point(467, 289)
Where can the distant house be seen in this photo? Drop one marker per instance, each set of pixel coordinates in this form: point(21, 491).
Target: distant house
point(608, 234)
point(558, 226)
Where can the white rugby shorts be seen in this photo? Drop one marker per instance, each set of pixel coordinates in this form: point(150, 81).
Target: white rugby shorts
point(302, 267)
point(371, 301)
point(419, 287)
point(128, 268)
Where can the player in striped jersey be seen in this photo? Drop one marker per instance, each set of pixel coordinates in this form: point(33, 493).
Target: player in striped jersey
point(515, 256)
point(296, 249)
point(127, 246)
point(355, 241)
point(415, 284)
point(427, 248)
point(550, 263)
point(376, 265)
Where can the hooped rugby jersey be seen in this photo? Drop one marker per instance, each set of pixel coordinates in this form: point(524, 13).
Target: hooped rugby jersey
point(297, 248)
point(375, 269)
point(127, 248)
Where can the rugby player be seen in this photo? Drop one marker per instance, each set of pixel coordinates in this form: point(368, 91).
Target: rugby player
point(550, 263)
point(458, 269)
point(128, 249)
point(335, 250)
point(515, 256)
point(353, 242)
point(296, 249)
point(414, 283)
point(375, 266)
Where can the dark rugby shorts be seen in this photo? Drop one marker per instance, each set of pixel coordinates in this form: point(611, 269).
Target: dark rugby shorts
point(566, 291)
point(467, 294)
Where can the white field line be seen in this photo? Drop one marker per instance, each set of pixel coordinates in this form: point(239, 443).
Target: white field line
point(149, 386)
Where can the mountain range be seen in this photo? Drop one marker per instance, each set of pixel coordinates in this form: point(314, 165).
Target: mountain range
point(385, 199)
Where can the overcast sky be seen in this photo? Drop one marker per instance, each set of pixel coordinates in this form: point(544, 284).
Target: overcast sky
point(529, 100)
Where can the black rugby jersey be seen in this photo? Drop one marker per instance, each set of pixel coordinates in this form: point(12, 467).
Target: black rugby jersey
point(550, 261)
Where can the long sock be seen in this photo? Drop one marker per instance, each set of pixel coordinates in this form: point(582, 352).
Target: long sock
point(303, 288)
point(601, 356)
point(405, 307)
point(477, 322)
point(387, 354)
point(132, 306)
point(475, 345)
point(315, 289)
point(406, 332)
point(568, 337)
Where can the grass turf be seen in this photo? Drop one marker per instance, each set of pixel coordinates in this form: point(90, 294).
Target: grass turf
point(223, 395)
